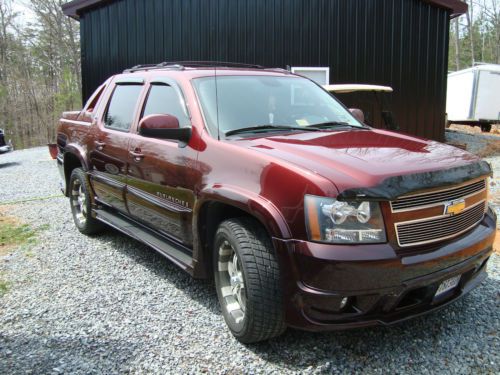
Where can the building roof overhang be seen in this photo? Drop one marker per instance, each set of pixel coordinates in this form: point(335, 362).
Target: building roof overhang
point(457, 7)
point(75, 8)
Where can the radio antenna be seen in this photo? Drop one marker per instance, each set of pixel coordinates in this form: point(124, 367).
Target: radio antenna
point(217, 103)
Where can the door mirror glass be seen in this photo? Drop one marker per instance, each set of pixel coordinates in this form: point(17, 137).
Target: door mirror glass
point(164, 127)
point(358, 114)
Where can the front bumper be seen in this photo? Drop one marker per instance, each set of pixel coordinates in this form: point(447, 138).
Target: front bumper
point(381, 287)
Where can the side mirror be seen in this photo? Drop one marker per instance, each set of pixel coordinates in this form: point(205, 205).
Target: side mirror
point(389, 122)
point(164, 127)
point(358, 114)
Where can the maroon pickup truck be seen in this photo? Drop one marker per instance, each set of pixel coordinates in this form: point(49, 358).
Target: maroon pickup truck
point(261, 179)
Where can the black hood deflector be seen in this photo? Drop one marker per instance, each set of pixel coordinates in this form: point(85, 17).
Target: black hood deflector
point(393, 187)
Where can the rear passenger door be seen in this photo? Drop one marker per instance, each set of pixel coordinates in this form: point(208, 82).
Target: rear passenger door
point(160, 183)
point(109, 148)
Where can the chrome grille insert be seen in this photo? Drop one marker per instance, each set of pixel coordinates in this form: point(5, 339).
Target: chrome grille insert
point(418, 201)
point(425, 231)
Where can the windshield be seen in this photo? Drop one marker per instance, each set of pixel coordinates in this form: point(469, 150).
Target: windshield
point(252, 101)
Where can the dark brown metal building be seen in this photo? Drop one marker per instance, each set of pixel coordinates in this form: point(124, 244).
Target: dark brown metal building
point(400, 43)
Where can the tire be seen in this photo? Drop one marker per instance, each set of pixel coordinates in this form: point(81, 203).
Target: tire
point(247, 279)
point(485, 127)
point(81, 206)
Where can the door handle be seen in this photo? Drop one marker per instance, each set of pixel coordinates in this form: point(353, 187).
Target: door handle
point(99, 145)
point(137, 155)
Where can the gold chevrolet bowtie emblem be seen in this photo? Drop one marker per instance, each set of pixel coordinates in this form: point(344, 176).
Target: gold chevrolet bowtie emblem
point(454, 208)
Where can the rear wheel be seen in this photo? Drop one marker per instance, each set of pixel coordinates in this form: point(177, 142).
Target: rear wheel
point(485, 127)
point(247, 280)
point(80, 200)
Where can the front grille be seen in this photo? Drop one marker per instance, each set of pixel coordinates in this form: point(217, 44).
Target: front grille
point(436, 198)
point(412, 233)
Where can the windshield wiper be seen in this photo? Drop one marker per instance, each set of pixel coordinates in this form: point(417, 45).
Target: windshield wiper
point(268, 127)
point(331, 124)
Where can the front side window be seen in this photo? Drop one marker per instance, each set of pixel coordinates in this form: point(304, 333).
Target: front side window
point(120, 113)
point(248, 101)
point(164, 100)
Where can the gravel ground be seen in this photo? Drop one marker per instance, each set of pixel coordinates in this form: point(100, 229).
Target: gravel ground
point(108, 304)
point(477, 143)
point(482, 143)
point(495, 185)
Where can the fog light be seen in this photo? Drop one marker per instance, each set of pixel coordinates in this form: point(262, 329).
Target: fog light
point(343, 302)
point(354, 236)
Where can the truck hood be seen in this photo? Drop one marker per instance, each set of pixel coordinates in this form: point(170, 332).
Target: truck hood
point(360, 158)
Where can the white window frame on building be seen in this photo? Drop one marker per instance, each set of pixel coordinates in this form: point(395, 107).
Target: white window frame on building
point(306, 70)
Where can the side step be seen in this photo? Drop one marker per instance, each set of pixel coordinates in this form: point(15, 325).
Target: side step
point(174, 252)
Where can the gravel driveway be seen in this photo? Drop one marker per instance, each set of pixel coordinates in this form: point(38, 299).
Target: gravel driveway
point(108, 304)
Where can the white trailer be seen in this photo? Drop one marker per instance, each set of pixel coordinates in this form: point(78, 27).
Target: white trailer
point(474, 96)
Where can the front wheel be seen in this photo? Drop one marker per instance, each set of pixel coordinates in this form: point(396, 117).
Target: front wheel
point(248, 281)
point(80, 201)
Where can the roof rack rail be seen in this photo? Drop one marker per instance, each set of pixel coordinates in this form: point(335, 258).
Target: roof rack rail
point(191, 64)
point(223, 64)
point(145, 67)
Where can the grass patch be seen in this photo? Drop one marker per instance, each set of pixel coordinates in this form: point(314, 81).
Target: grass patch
point(4, 287)
point(13, 233)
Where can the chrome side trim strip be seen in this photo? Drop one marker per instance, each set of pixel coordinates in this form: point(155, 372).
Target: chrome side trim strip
point(100, 177)
point(170, 206)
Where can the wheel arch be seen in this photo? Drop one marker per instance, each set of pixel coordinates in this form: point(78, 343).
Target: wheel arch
point(72, 158)
point(217, 205)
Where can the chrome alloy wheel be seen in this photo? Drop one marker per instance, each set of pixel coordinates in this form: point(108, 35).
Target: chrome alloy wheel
point(232, 282)
point(79, 202)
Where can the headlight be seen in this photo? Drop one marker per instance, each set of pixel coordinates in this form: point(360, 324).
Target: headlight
point(330, 220)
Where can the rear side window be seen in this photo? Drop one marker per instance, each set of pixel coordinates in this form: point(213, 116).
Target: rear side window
point(121, 107)
point(164, 100)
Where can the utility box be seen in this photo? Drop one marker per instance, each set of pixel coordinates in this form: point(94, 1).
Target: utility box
point(474, 96)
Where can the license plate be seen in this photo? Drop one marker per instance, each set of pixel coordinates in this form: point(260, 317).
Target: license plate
point(448, 285)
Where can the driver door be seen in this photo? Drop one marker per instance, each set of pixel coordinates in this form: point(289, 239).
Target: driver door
point(162, 174)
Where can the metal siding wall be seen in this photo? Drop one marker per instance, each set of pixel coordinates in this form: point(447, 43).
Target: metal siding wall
point(401, 43)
